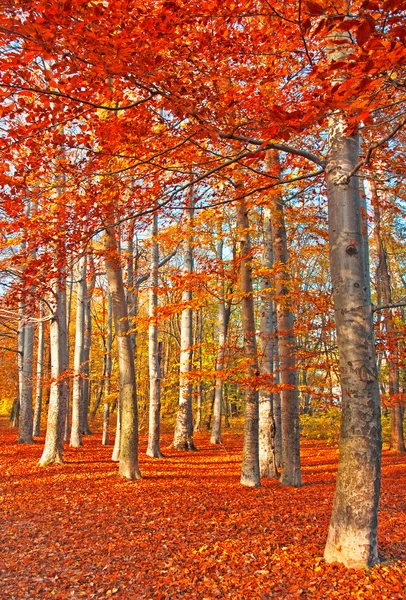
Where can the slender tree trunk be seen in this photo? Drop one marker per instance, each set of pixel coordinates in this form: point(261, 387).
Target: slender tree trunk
point(106, 422)
point(199, 410)
point(153, 448)
point(128, 415)
point(222, 324)
point(87, 344)
point(352, 537)
point(55, 432)
point(40, 373)
point(250, 458)
point(69, 297)
point(267, 427)
point(385, 297)
point(183, 437)
point(77, 395)
point(131, 287)
point(291, 472)
point(20, 355)
point(26, 413)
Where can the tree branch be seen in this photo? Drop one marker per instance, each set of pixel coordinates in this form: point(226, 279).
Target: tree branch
point(272, 146)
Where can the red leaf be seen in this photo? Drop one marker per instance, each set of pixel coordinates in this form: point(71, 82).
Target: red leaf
point(363, 33)
point(313, 8)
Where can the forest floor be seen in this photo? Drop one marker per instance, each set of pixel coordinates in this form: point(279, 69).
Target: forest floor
point(187, 530)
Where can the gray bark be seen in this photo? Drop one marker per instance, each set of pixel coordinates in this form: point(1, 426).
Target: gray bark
point(222, 324)
point(153, 448)
point(77, 388)
point(352, 537)
point(291, 472)
point(183, 436)
point(199, 408)
point(267, 427)
point(106, 422)
point(250, 475)
point(40, 373)
point(55, 432)
point(128, 415)
point(87, 344)
point(385, 297)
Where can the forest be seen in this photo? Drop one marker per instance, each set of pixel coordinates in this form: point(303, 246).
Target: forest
point(203, 299)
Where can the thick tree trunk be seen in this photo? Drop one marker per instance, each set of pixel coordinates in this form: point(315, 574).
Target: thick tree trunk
point(153, 448)
point(352, 537)
point(250, 458)
point(267, 428)
point(128, 465)
point(77, 388)
point(183, 437)
point(40, 373)
point(55, 432)
point(385, 297)
point(291, 472)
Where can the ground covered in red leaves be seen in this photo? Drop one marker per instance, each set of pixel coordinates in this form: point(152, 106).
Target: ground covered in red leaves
point(186, 530)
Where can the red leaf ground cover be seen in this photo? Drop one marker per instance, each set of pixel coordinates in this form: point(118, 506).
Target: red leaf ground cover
point(187, 530)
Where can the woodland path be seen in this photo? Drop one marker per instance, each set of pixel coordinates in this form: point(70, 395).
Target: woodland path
point(188, 530)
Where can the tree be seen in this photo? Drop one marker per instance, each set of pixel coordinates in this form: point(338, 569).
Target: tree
point(128, 412)
point(250, 459)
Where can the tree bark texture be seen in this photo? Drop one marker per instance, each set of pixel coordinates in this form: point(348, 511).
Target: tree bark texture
point(26, 413)
point(352, 537)
point(267, 428)
point(153, 448)
point(39, 373)
point(128, 463)
point(250, 459)
point(291, 471)
point(77, 388)
point(87, 343)
point(55, 432)
point(222, 325)
point(383, 285)
point(183, 437)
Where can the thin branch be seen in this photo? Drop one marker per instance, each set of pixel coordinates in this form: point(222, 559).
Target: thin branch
point(79, 100)
point(373, 147)
point(269, 146)
point(383, 306)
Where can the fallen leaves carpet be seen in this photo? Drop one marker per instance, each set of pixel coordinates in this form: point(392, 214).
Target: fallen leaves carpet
point(187, 530)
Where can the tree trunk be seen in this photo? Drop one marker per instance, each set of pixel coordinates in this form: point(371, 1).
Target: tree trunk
point(352, 537)
point(55, 432)
point(40, 373)
point(128, 414)
point(267, 428)
point(20, 355)
point(87, 344)
point(385, 297)
point(26, 414)
point(77, 388)
point(250, 457)
point(106, 422)
point(291, 473)
point(199, 409)
point(222, 324)
point(153, 448)
point(183, 437)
